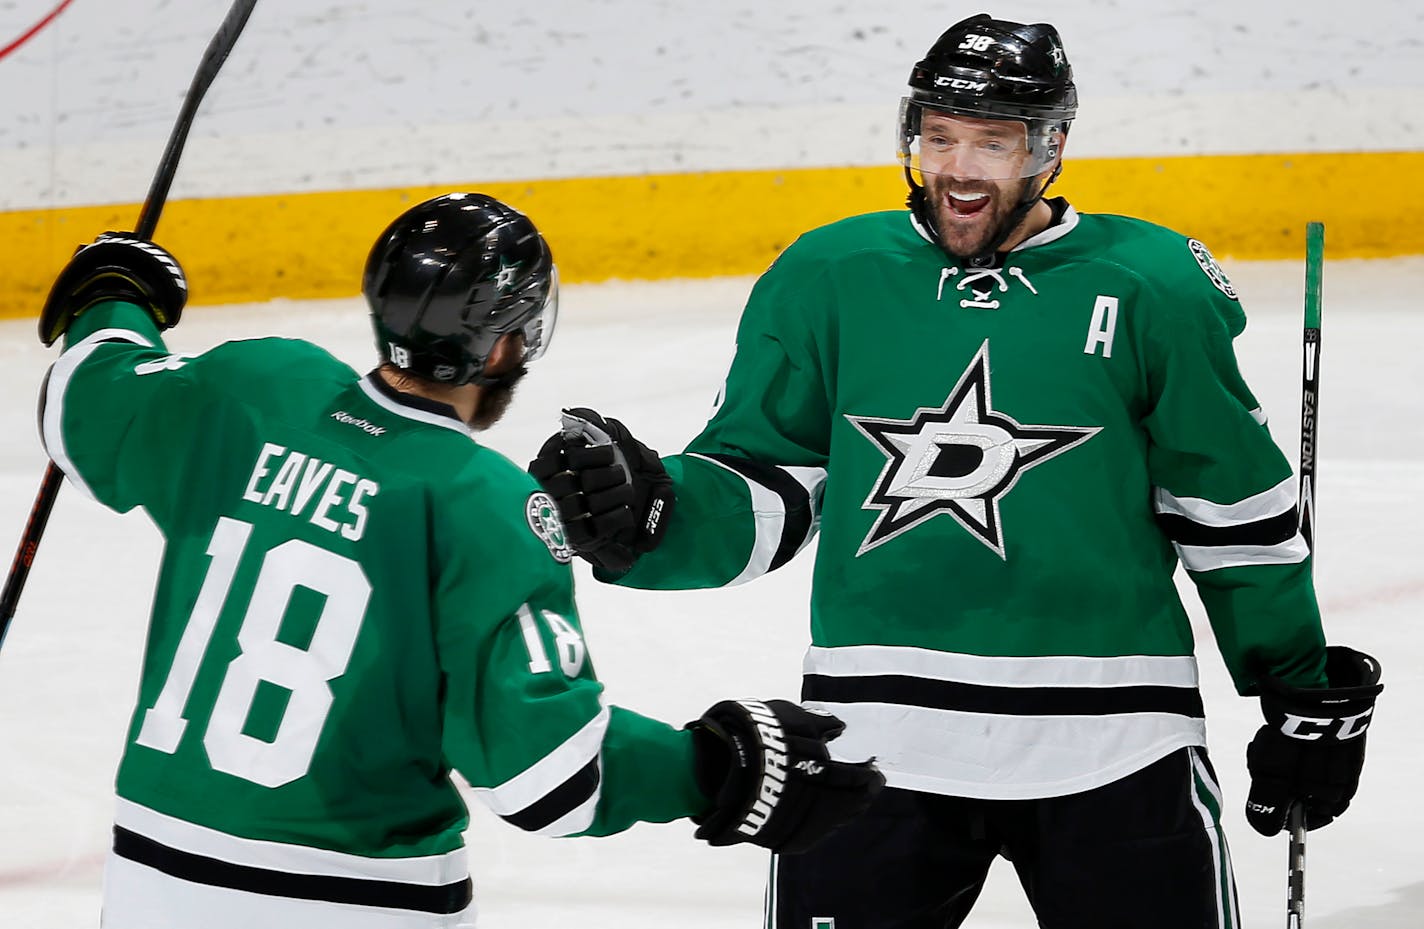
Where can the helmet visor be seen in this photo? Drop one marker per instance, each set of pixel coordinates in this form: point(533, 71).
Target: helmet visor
point(538, 329)
point(973, 143)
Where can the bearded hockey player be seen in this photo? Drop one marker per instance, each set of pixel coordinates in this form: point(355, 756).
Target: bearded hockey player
point(356, 598)
point(1010, 422)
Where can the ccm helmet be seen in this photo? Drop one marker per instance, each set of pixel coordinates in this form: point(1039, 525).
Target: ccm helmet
point(986, 68)
point(452, 275)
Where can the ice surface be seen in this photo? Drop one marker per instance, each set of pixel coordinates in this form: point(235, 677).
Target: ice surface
point(654, 354)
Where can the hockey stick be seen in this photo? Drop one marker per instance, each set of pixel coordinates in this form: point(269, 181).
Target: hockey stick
point(222, 42)
point(1309, 426)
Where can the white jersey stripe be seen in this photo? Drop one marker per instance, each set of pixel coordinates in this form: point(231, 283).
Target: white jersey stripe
point(52, 427)
point(536, 781)
point(814, 480)
point(1212, 557)
point(964, 754)
point(139, 897)
point(769, 519)
point(1273, 502)
point(433, 870)
point(1055, 671)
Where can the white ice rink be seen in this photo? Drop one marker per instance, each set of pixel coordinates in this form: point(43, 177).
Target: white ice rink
point(653, 355)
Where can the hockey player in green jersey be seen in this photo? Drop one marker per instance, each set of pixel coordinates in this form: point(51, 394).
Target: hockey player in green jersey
point(1010, 422)
point(356, 599)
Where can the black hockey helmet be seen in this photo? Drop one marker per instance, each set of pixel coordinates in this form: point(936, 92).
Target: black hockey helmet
point(997, 69)
point(986, 68)
point(452, 275)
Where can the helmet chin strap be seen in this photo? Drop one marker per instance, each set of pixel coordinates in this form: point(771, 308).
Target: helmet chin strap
point(505, 379)
point(984, 258)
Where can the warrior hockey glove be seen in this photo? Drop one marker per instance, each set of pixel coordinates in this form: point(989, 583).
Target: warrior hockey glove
point(612, 491)
point(117, 266)
point(766, 767)
point(1312, 748)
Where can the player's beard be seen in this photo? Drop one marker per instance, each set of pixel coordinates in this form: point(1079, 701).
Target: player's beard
point(967, 236)
point(495, 399)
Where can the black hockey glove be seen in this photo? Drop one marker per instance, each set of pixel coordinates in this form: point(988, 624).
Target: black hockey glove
point(772, 781)
point(116, 266)
point(612, 491)
point(1312, 747)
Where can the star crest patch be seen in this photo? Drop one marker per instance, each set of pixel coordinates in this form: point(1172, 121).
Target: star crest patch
point(544, 519)
point(1211, 268)
point(960, 459)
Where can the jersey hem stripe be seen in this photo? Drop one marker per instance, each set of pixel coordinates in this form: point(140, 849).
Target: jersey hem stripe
point(1005, 671)
point(1004, 701)
point(1030, 790)
point(447, 898)
point(283, 856)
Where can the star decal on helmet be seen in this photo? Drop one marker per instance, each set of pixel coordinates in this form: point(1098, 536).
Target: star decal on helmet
point(960, 459)
point(504, 278)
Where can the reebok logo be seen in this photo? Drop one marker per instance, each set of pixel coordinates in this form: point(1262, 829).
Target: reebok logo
point(773, 775)
point(809, 768)
point(369, 428)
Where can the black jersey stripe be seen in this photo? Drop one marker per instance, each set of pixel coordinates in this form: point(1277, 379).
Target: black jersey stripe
point(795, 501)
point(559, 802)
point(1273, 530)
point(1003, 701)
point(200, 869)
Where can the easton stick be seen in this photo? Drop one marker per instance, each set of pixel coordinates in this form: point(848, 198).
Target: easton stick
point(218, 48)
point(1309, 448)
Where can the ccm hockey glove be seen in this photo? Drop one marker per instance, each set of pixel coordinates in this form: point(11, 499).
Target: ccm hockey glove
point(612, 491)
point(116, 266)
point(766, 767)
point(1312, 748)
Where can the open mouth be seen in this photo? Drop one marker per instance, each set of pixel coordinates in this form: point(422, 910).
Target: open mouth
point(967, 204)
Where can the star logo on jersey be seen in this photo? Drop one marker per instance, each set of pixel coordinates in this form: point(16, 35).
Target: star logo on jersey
point(959, 460)
point(544, 519)
point(504, 277)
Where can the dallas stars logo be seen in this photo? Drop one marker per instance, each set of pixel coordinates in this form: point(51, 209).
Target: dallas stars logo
point(960, 459)
point(504, 278)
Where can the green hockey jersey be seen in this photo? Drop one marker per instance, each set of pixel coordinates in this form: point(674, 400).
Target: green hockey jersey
point(1005, 467)
point(355, 598)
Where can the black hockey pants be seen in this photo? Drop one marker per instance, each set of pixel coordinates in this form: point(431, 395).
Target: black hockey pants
point(1144, 852)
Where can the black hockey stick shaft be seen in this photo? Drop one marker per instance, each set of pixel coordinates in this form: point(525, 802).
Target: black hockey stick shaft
point(1309, 455)
point(222, 42)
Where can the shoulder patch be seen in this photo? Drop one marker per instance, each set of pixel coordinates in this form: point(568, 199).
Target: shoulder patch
point(1211, 268)
point(544, 520)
